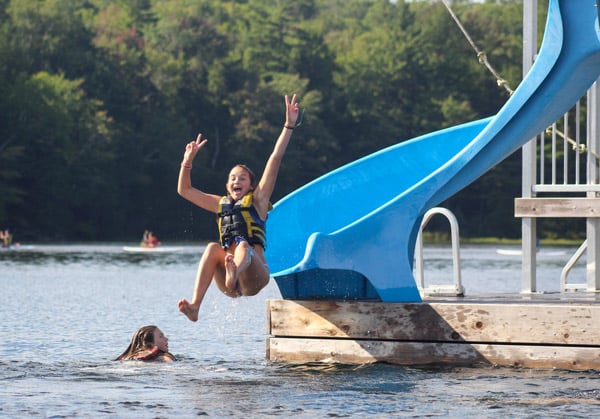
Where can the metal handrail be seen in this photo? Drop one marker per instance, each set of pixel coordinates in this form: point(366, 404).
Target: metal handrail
point(564, 286)
point(455, 289)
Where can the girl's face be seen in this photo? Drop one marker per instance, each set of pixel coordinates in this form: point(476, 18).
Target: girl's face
point(160, 340)
point(239, 183)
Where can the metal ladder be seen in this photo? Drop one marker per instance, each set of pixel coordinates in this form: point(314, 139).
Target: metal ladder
point(456, 289)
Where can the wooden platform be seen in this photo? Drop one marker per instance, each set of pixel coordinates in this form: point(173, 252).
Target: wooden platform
point(534, 331)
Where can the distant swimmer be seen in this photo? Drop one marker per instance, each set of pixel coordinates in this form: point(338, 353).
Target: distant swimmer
point(6, 238)
point(149, 239)
point(149, 343)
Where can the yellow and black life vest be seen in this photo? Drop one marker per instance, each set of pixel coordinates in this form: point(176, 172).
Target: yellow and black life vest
point(240, 219)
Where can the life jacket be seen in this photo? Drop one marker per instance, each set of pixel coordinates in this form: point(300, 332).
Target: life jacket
point(240, 219)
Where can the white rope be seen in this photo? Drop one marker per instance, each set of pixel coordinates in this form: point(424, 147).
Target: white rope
point(481, 55)
point(580, 148)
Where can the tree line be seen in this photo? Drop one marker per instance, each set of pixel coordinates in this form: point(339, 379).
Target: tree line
point(99, 97)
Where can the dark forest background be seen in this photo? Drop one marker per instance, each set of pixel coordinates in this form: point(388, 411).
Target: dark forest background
point(98, 99)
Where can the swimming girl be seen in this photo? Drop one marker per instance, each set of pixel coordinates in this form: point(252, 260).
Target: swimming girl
point(149, 343)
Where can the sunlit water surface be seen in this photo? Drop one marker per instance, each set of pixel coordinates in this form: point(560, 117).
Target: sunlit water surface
point(67, 311)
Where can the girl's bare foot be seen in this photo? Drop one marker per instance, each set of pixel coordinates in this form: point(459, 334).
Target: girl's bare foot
point(190, 310)
point(230, 272)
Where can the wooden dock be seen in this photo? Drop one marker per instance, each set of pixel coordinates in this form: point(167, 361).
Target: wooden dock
point(546, 331)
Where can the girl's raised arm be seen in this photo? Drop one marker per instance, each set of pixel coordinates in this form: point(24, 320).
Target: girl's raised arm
point(263, 191)
point(206, 201)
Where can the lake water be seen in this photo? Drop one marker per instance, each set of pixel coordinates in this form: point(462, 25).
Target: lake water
point(66, 311)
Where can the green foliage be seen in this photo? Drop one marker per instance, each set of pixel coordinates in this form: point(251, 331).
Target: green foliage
point(57, 135)
point(99, 97)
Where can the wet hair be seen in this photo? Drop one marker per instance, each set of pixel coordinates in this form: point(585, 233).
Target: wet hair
point(142, 340)
point(250, 172)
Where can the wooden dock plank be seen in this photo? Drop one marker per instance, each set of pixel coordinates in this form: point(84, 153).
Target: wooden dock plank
point(431, 353)
point(546, 332)
point(557, 207)
point(540, 323)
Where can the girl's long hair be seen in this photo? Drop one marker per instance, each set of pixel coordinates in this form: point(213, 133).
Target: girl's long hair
point(142, 340)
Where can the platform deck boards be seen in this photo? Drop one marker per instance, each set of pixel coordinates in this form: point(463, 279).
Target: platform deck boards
point(526, 330)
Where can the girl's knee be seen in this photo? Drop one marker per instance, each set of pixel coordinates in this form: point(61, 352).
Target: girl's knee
point(213, 251)
point(212, 246)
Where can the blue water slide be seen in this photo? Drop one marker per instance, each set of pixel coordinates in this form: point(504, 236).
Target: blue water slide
point(350, 234)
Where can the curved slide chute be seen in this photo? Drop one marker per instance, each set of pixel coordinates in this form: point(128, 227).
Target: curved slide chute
point(350, 234)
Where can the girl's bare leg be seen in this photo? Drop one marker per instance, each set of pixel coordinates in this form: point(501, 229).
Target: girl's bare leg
point(211, 265)
point(236, 264)
point(256, 275)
